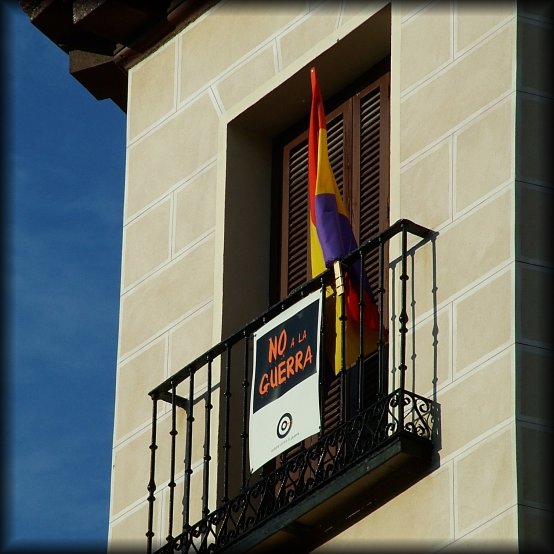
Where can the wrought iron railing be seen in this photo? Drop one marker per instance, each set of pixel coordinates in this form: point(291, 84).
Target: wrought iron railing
point(247, 501)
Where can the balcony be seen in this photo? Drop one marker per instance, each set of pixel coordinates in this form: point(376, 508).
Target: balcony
point(375, 439)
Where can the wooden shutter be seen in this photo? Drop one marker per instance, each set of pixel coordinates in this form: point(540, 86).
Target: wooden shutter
point(358, 143)
point(371, 194)
point(295, 267)
point(294, 240)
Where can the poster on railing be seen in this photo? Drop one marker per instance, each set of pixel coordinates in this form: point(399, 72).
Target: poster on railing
point(284, 406)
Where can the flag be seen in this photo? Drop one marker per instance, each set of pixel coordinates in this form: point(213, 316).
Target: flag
point(331, 237)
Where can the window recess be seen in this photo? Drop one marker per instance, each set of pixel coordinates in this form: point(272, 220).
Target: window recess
point(358, 143)
point(358, 146)
point(371, 446)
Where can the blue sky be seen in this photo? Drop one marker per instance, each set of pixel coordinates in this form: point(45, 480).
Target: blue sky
point(65, 160)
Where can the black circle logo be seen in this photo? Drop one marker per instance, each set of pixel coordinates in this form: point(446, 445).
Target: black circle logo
point(284, 426)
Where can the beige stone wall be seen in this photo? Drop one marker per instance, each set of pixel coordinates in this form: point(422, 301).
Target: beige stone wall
point(453, 108)
point(181, 99)
point(224, 86)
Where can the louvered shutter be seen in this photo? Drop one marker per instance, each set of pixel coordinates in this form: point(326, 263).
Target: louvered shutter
point(370, 167)
point(358, 143)
point(295, 239)
point(294, 252)
point(371, 193)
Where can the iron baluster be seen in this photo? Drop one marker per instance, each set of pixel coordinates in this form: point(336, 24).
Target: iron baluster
point(403, 319)
point(188, 453)
point(226, 445)
point(321, 358)
point(361, 333)
point(244, 434)
point(152, 483)
point(171, 484)
point(208, 410)
point(381, 346)
point(340, 296)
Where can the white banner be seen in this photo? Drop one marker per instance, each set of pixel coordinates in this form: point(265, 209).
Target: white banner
point(284, 404)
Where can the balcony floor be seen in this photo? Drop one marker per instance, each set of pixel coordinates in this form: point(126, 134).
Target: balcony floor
point(344, 499)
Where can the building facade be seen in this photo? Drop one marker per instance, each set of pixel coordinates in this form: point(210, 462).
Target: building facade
point(463, 143)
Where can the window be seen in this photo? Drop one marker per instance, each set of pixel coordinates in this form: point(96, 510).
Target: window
point(358, 143)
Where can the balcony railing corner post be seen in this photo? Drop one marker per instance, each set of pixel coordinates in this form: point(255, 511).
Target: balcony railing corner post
point(152, 483)
point(403, 319)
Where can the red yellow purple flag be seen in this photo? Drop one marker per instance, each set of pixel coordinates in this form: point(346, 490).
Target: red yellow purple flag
point(331, 238)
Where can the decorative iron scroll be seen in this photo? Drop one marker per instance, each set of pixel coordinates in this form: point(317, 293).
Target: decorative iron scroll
point(333, 454)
